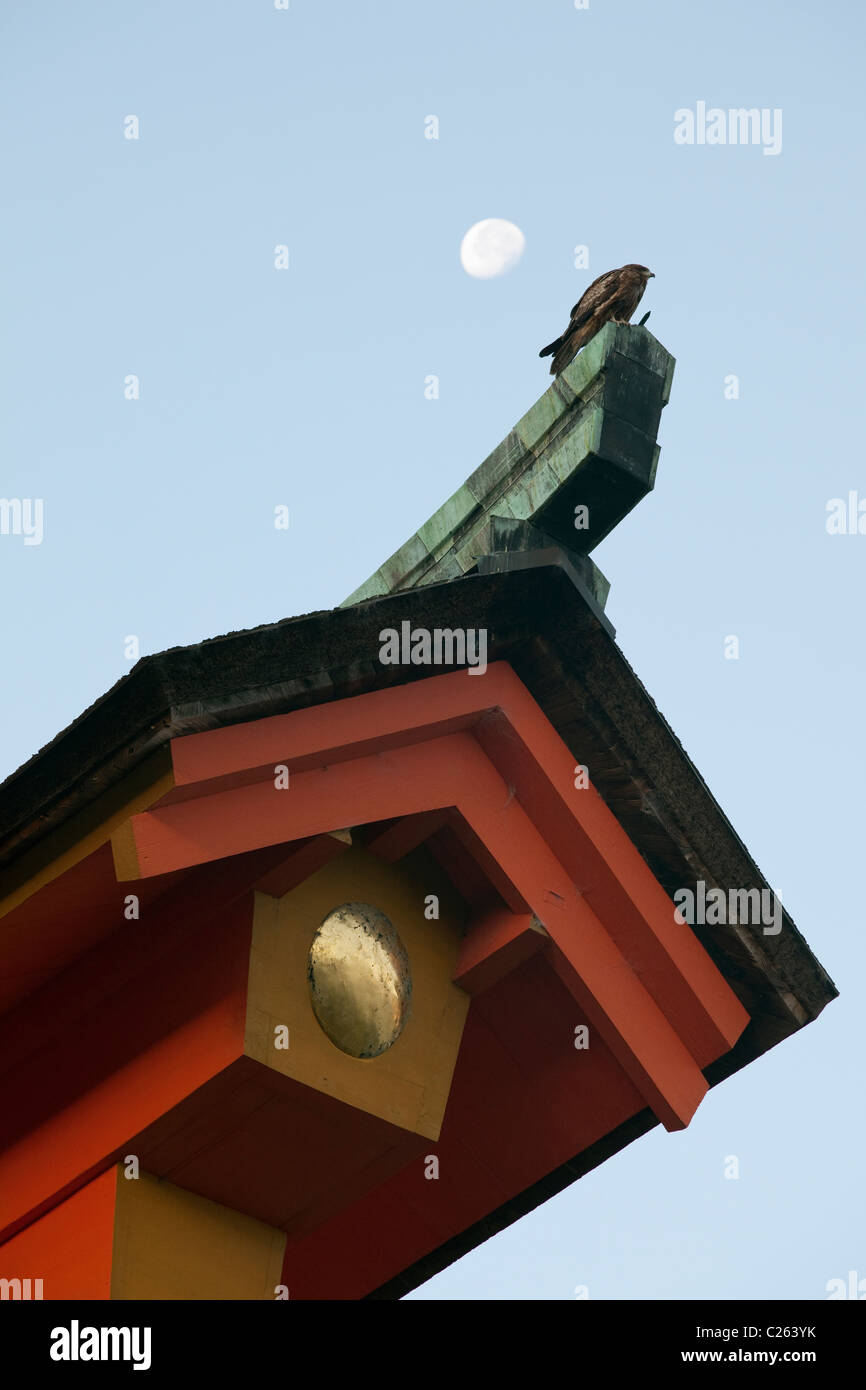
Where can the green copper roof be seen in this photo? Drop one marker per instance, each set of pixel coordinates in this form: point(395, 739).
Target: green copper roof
point(588, 442)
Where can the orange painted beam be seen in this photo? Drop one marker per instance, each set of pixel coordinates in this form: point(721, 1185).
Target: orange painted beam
point(495, 872)
point(70, 1248)
point(613, 877)
point(376, 721)
point(644, 1041)
point(402, 836)
point(464, 871)
point(496, 943)
point(381, 786)
point(302, 861)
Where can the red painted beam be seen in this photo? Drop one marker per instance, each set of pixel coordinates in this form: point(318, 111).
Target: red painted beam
point(360, 724)
point(613, 877)
point(632, 1025)
point(302, 861)
point(402, 836)
point(496, 943)
point(470, 880)
point(382, 786)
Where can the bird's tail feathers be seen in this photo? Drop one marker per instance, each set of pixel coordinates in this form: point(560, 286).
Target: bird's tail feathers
point(551, 347)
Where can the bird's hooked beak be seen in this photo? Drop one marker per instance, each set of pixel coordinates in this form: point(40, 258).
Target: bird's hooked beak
point(652, 275)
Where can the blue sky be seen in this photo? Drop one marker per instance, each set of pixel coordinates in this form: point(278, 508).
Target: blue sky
point(305, 387)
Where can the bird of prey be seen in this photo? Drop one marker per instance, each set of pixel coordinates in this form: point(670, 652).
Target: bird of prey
point(614, 295)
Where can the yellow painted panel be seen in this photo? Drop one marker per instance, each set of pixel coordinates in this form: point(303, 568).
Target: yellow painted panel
point(409, 1084)
point(173, 1244)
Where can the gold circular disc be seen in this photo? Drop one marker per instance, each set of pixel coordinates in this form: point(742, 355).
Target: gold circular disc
point(360, 981)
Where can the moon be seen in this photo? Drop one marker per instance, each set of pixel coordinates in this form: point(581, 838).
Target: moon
point(491, 247)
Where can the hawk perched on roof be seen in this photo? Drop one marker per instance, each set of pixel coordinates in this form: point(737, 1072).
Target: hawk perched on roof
point(614, 295)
